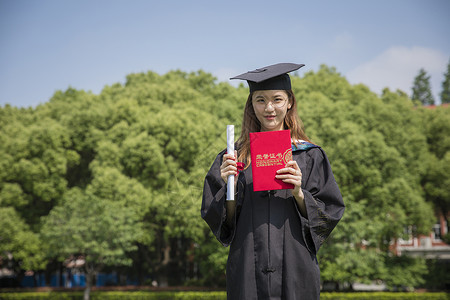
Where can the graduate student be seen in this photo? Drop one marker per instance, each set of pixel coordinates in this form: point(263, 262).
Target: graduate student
point(274, 236)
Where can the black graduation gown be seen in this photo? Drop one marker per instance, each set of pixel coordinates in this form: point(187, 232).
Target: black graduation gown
point(273, 247)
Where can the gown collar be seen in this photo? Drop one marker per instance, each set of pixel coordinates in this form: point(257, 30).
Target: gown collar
point(301, 145)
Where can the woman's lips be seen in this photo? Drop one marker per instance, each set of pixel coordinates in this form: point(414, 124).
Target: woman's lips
point(269, 117)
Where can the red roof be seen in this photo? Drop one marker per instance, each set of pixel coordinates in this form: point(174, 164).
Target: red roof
point(434, 106)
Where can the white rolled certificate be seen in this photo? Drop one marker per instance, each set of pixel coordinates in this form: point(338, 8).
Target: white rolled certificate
point(230, 149)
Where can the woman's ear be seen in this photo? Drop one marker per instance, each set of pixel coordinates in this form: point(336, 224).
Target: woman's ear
point(289, 103)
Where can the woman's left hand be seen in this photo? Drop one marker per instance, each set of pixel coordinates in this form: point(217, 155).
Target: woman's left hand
point(291, 173)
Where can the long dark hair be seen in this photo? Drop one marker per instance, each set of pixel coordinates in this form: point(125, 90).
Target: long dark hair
point(250, 123)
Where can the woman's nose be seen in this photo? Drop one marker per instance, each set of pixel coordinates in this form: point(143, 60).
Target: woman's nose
point(269, 106)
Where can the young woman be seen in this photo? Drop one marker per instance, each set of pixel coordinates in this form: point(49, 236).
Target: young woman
point(274, 235)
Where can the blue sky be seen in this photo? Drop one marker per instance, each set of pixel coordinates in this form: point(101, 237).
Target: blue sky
point(49, 45)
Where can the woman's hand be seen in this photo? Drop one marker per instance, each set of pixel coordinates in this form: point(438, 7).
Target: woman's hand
point(229, 167)
point(292, 174)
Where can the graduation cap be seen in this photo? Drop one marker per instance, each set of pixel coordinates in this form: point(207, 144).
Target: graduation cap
point(273, 77)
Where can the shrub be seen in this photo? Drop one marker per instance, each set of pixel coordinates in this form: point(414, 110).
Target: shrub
point(181, 295)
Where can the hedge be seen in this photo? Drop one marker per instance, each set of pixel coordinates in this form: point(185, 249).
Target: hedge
point(149, 295)
point(384, 296)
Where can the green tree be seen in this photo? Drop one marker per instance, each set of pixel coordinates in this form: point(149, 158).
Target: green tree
point(117, 177)
point(437, 183)
point(405, 271)
point(375, 145)
point(101, 229)
point(34, 159)
point(20, 248)
point(437, 177)
point(445, 93)
point(421, 90)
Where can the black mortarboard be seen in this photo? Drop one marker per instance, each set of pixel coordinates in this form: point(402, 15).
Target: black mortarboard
point(272, 77)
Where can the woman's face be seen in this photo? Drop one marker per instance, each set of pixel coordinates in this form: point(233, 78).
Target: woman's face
point(270, 108)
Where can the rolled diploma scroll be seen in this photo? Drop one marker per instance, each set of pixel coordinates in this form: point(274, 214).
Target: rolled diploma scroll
point(230, 149)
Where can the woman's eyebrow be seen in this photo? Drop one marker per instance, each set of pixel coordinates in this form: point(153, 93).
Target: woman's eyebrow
point(278, 95)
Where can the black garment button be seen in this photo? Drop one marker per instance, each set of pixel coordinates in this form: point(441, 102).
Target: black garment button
point(268, 270)
point(267, 193)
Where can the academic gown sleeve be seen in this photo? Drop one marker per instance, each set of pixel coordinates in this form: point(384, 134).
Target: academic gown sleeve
point(213, 209)
point(323, 200)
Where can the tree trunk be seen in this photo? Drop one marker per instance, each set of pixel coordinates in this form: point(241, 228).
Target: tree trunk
point(87, 292)
point(163, 279)
point(35, 282)
point(90, 272)
point(61, 274)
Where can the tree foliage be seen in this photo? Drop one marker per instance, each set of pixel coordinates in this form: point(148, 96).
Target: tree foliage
point(437, 177)
point(445, 93)
point(117, 177)
point(20, 242)
point(422, 89)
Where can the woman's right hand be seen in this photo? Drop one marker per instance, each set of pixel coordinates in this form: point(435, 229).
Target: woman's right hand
point(229, 167)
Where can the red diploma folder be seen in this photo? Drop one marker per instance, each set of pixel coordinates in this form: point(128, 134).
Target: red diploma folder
point(270, 151)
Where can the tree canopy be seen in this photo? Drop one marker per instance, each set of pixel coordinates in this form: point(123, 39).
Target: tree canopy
point(422, 89)
point(117, 177)
point(445, 93)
